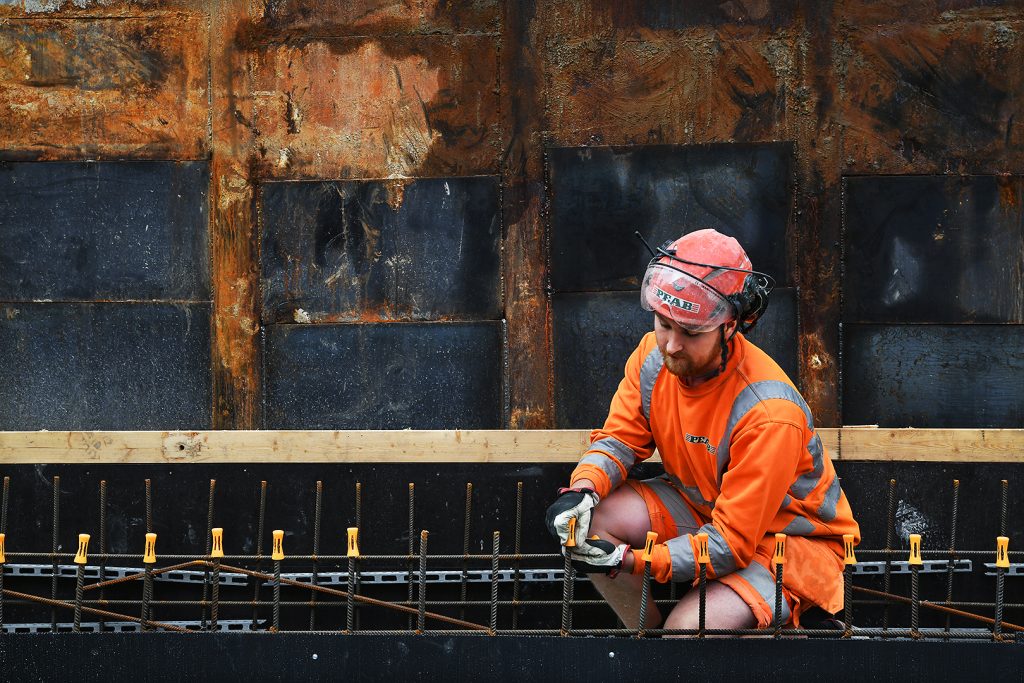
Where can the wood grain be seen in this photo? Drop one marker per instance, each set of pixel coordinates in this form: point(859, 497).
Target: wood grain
point(455, 446)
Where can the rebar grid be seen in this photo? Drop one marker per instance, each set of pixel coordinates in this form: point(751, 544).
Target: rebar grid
point(291, 594)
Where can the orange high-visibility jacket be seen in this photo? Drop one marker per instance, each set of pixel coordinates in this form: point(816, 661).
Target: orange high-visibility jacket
point(741, 447)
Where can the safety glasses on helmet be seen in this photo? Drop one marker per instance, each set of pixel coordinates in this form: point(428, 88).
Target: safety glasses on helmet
point(691, 302)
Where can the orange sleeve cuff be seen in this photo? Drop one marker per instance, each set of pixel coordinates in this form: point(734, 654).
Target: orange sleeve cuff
point(661, 563)
point(602, 484)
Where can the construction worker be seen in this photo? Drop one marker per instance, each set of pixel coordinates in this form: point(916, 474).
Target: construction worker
point(742, 459)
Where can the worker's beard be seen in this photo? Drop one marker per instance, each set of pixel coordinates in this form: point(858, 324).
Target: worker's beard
point(684, 368)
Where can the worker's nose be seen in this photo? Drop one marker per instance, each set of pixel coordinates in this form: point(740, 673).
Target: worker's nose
point(674, 343)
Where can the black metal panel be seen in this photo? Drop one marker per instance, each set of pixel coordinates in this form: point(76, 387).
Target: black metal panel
point(104, 231)
point(933, 375)
point(385, 376)
point(105, 366)
point(330, 657)
point(601, 195)
point(934, 249)
point(594, 333)
point(356, 250)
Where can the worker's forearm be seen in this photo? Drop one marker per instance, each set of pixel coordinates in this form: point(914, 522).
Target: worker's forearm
point(583, 483)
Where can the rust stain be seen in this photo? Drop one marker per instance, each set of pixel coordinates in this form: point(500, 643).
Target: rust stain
point(936, 98)
point(104, 87)
point(1009, 191)
point(361, 108)
point(709, 85)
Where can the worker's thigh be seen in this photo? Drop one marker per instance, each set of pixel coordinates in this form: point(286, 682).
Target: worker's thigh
point(635, 508)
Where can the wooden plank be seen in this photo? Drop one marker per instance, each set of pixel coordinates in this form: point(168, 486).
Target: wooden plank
point(458, 446)
point(932, 445)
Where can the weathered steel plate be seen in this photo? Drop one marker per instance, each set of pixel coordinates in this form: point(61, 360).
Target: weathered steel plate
point(377, 108)
point(382, 17)
point(932, 97)
point(101, 231)
point(601, 195)
point(650, 86)
point(385, 376)
point(104, 87)
point(594, 333)
point(933, 375)
point(105, 366)
point(934, 249)
point(381, 250)
point(666, 15)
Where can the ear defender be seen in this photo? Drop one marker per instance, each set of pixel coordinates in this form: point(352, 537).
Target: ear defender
point(752, 301)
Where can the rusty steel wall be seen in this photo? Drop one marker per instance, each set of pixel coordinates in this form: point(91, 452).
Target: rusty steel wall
point(402, 91)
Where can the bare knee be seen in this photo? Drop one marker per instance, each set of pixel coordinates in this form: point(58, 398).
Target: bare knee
point(725, 609)
point(622, 517)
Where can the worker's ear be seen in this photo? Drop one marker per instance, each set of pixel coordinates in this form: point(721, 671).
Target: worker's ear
point(729, 329)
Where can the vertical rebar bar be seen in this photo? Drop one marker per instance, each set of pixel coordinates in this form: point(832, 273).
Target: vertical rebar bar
point(1003, 501)
point(350, 601)
point(260, 518)
point(215, 597)
point(848, 601)
point(465, 549)
point(147, 596)
point(412, 549)
point(3, 530)
point(517, 550)
point(277, 596)
point(997, 627)
point(422, 597)
point(149, 507)
point(79, 586)
point(890, 530)
point(56, 532)
point(950, 566)
point(702, 601)
point(359, 525)
point(103, 545)
point(645, 596)
point(778, 600)
point(567, 595)
point(209, 538)
point(915, 601)
point(494, 582)
point(316, 551)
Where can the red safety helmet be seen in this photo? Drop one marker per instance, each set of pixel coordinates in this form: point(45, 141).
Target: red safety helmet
point(704, 279)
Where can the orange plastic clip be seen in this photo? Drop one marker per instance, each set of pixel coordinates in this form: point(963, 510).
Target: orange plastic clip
point(780, 550)
point(703, 556)
point(278, 552)
point(353, 541)
point(83, 549)
point(218, 543)
point(849, 557)
point(1003, 552)
point(652, 538)
point(571, 541)
point(149, 556)
point(915, 551)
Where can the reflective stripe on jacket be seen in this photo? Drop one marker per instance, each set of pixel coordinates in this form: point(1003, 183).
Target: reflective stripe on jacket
point(741, 447)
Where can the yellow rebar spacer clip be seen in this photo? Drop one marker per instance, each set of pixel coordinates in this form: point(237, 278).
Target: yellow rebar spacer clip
point(217, 549)
point(780, 550)
point(849, 558)
point(278, 553)
point(652, 538)
point(149, 557)
point(353, 541)
point(3, 538)
point(1003, 552)
point(915, 551)
point(571, 541)
point(83, 548)
point(703, 556)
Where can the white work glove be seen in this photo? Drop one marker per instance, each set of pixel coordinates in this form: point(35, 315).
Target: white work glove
point(598, 557)
point(571, 504)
